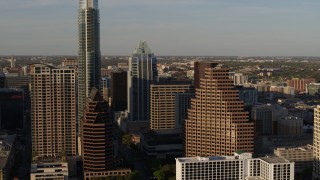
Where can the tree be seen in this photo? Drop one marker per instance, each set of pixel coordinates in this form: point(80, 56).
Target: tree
point(34, 156)
point(169, 170)
point(135, 175)
point(159, 174)
point(127, 139)
point(63, 155)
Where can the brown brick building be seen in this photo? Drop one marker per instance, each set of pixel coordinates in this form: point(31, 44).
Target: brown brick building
point(300, 85)
point(96, 131)
point(199, 71)
point(217, 124)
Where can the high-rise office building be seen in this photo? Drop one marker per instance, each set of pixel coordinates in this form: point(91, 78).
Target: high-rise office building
point(249, 95)
point(105, 88)
point(53, 111)
point(290, 126)
point(199, 71)
point(142, 72)
point(316, 143)
point(89, 56)
point(2, 79)
point(119, 90)
point(162, 103)
point(182, 104)
point(266, 118)
point(11, 109)
point(96, 128)
point(217, 124)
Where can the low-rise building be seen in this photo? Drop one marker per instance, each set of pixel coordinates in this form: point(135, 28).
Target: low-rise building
point(302, 156)
point(161, 144)
point(313, 89)
point(54, 170)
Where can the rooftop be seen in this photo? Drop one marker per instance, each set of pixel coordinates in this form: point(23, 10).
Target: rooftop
point(274, 159)
point(302, 148)
point(199, 159)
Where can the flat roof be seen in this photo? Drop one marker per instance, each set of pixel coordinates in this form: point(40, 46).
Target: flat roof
point(206, 159)
point(268, 159)
point(274, 159)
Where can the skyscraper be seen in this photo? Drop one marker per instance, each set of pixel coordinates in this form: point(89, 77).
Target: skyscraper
point(96, 129)
point(11, 109)
point(199, 71)
point(162, 103)
point(142, 72)
point(217, 124)
point(119, 90)
point(89, 52)
point(53, 111)
point(182, 104)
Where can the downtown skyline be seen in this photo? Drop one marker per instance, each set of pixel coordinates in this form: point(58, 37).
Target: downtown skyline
point(196, 28)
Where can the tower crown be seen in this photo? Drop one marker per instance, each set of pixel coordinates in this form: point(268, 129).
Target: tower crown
point(88, 4)
point(142, 48)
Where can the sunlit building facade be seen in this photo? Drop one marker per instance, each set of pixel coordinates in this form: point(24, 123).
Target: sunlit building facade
point(89, 55)
point(217, 124)
point(53, 111)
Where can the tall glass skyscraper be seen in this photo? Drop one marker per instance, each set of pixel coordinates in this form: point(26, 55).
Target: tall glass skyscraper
point(89, 53)
point(142, 72)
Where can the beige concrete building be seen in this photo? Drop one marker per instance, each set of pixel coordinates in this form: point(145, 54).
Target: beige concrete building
point(217, 124)
point(53, 111)
point(301, 156)
point(70, 62)
point(162, 103)
point(54, 170)
point(183, 103)
point(238, 78)
point(316, 143)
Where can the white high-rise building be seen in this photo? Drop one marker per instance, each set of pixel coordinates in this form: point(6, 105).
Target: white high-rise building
point(142, 72)
point(241, 167)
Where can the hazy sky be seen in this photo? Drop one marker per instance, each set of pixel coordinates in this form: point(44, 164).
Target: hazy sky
point(171, 27)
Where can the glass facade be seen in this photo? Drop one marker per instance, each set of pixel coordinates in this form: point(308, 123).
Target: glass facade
point(89, 52)
point(142, 72)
